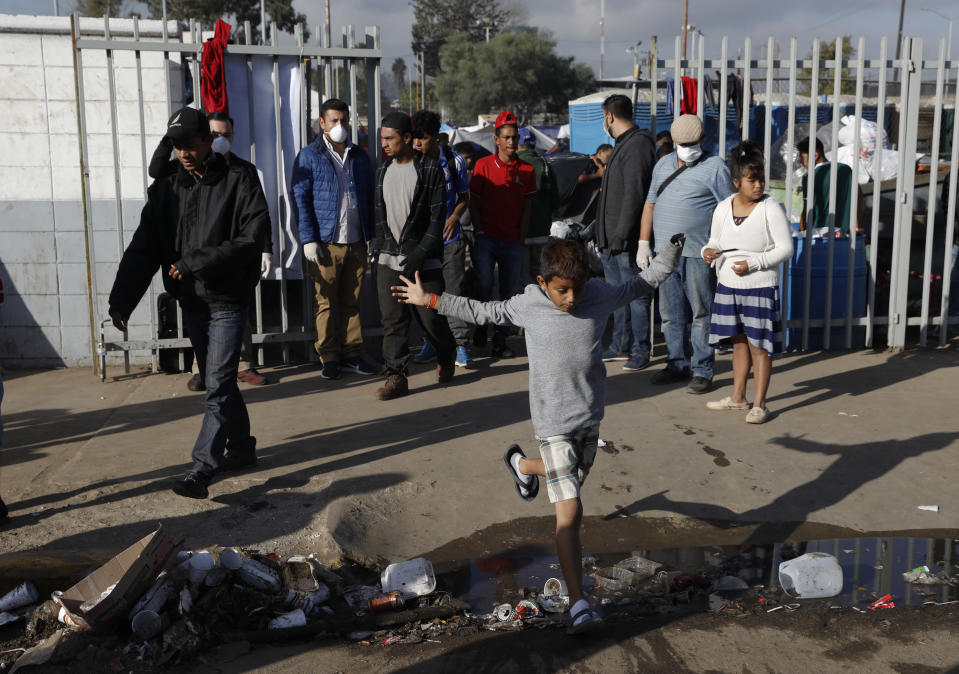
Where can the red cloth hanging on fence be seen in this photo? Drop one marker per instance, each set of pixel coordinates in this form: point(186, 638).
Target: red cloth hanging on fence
point(212, 75)
point(687, 106)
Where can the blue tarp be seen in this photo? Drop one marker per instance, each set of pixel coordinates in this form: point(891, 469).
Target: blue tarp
point(586, 123)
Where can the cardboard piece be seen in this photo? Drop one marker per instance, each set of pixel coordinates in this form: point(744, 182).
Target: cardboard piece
point(133, 570)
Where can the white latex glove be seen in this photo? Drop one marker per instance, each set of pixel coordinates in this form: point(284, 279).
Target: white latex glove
point(311, 252)
point(266, 264)
point(644, 255)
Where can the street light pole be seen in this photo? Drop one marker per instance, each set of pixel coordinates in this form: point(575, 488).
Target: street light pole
point(602, 37)
point(263, 21)
point(950, 19)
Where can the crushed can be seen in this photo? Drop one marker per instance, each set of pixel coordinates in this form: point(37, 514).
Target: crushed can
point(386, 602)
point(503, 612)
point(527, 609)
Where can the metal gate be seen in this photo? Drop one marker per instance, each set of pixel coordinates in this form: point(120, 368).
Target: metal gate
point(336, 68)
point(898, 296)
point(907, 297)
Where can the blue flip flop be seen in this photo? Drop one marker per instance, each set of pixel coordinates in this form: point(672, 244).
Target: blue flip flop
point(532, 487)
point(592, 623)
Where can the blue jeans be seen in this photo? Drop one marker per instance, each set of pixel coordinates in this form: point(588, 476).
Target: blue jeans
point(685, 297)
point(487, 253)
point(216, 338)
point(630, 322)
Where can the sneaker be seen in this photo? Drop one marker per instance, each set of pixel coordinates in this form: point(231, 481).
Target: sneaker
point(357, 365)
point(757, 415)
point(671, 376)
point(479, 336)
point(191, 486)
point(237, 460)
point(699, 385)
point(463, 358)
point(196, 383)
point(444, 373)
point(251, 377)
point(426, 354)
point(501, 351)
point(727, 404)
point(331, 370)
point(636, 363)
point(395, 386)
point(612, 354)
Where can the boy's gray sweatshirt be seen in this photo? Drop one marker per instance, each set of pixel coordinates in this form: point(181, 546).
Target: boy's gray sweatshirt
point(567, 378)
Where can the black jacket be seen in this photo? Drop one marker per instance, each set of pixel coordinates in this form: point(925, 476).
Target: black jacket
point(625, 184)
point(422, 235)
point(161, 166)
point(210, 230)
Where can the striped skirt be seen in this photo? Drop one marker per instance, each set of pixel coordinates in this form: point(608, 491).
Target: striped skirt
point(750, 311)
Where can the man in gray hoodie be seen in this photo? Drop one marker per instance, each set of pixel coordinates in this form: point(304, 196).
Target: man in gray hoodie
point(564, 316)
point(626, 179)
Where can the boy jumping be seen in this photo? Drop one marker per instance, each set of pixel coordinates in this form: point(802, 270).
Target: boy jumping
point(563, 318)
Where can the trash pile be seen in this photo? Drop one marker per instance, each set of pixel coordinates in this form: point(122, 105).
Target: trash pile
point(154, 606)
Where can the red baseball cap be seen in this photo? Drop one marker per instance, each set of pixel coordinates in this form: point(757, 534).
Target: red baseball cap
point(505, 118)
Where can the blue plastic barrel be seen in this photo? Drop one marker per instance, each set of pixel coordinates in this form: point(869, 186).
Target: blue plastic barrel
point(792, 299)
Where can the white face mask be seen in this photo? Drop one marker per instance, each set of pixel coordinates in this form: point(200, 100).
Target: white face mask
point(689, 154)
point(337, 134)
point(608, 131)
point(221, 145)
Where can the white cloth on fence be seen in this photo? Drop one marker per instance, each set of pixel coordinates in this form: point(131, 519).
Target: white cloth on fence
point(261, 136)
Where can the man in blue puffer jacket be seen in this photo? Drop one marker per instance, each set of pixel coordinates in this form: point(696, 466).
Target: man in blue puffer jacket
point(333, 205)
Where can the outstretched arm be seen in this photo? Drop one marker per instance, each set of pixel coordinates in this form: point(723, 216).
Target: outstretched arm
point(650, 278)
point(479, 313)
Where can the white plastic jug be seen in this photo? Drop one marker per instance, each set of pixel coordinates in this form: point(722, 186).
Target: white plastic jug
point(811, 576)
point(414, 578)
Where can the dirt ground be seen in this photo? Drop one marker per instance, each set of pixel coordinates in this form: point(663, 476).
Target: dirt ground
point(857, 442)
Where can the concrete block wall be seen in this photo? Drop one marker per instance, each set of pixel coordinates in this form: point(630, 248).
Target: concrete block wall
point(44, 255)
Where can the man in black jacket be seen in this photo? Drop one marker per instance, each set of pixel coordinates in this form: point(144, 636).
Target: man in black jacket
point(410, 205)
point(203, 227)
point(629, 170)
point(161, 166)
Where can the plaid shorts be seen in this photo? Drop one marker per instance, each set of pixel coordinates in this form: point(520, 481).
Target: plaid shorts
point(567, 459)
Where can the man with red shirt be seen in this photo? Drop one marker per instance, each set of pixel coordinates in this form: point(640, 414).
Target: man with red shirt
point(501, 192)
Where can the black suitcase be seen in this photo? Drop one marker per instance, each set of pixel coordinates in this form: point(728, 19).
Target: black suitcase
point(169, 359)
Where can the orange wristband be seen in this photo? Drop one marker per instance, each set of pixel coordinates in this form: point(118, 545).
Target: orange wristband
point(434, 300)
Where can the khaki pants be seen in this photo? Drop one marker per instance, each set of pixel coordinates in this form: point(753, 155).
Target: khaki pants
point(337, 280)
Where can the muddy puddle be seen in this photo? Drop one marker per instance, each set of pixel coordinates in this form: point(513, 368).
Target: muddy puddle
point(873, 566)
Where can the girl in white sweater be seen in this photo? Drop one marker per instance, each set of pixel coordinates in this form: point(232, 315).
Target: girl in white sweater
point(750, 237)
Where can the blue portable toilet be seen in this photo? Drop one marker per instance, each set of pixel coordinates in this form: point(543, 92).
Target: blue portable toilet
point(586, 118)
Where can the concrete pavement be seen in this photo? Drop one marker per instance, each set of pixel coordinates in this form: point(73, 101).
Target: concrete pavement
point(858, 440)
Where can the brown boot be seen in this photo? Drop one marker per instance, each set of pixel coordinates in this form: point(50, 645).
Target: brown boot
point(444, 373)
point(395, 386)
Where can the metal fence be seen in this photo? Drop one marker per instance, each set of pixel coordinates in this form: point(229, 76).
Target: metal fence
point(827, 309)
point(893, 302)
point(332, 64)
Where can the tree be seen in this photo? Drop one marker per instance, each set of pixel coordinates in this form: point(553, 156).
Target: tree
point(521, 72)
point(234, 12)
point(341, 87)
point(399, 75)
point(435, 21)
point(99, 8)
point(827, 52)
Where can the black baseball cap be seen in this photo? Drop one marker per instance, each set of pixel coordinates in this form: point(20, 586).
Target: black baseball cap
point(187, 123)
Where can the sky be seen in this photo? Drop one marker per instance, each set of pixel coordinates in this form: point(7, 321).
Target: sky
point(575, 24)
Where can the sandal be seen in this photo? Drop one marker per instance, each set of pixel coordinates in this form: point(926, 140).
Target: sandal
point(532, 487)
point(757, 415)
point(589, 624)
point(727, 404)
